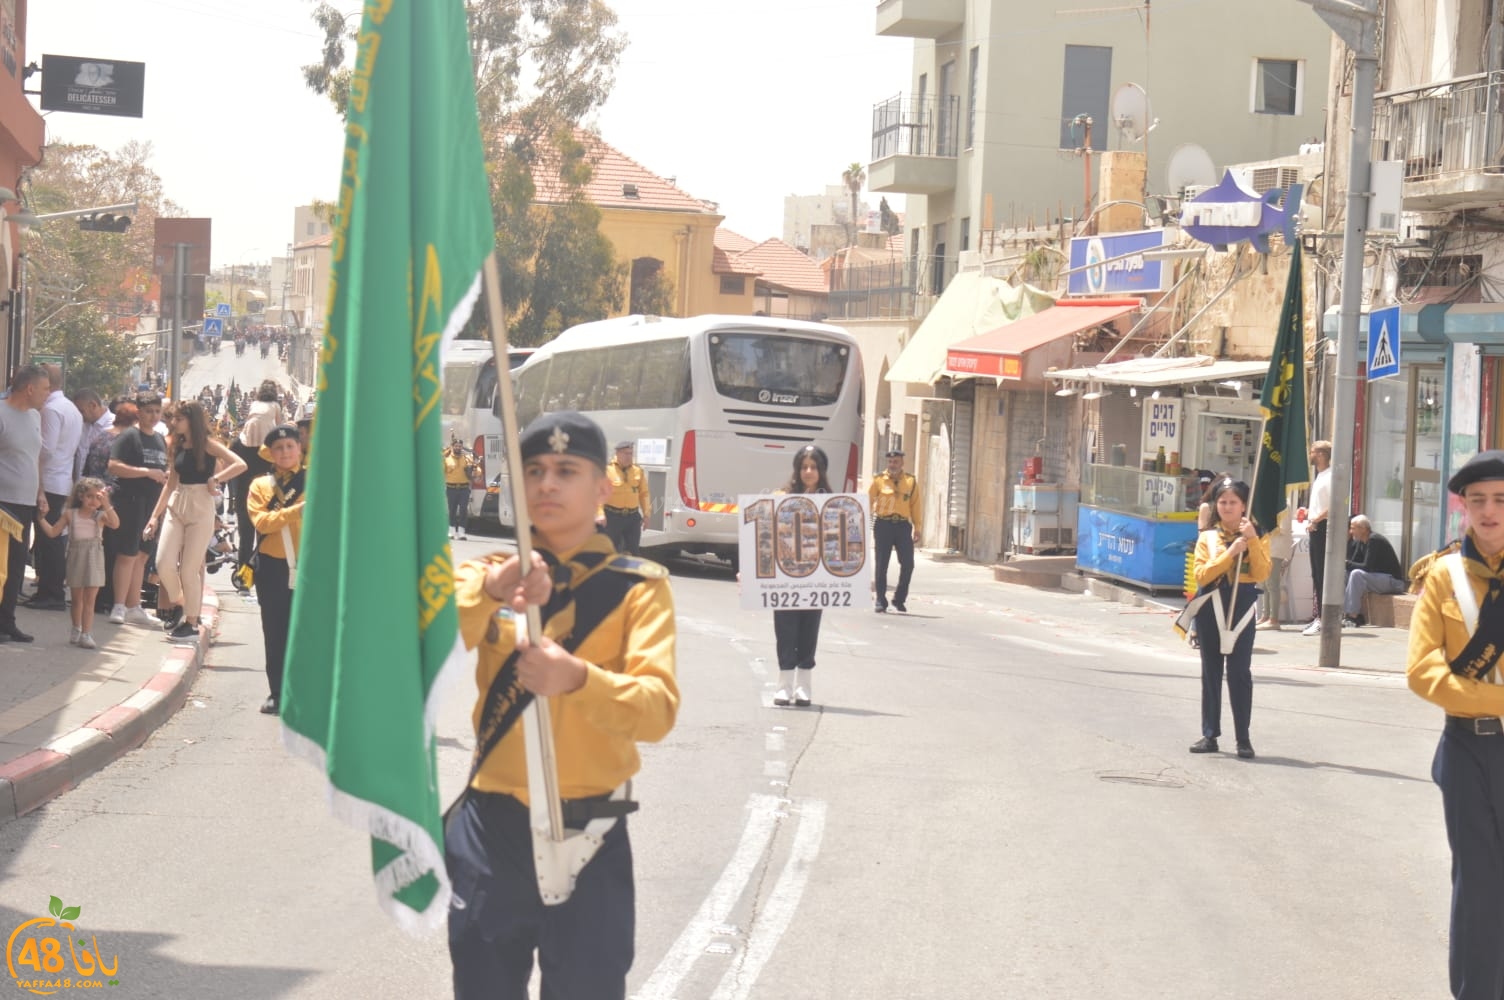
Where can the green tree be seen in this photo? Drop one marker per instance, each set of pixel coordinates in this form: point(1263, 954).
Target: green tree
point(854, 176)
point(541, 68)
point(889, 221)
point(84, 286)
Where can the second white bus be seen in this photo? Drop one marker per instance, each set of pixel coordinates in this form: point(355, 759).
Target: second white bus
point(716, 406)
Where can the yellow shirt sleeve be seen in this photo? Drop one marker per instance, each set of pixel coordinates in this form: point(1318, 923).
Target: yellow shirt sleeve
point(1437, 636)
point(1209, 567)
point(914, 516)
point(270, 523)
point(644, 496)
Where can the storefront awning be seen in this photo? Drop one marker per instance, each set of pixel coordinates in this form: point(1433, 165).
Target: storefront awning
point(1155, 373)
point(1001, 353)
point(971, 304)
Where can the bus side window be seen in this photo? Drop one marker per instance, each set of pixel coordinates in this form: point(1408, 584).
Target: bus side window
point(485, 387)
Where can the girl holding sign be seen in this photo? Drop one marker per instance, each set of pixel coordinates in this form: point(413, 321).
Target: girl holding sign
point(798, 632)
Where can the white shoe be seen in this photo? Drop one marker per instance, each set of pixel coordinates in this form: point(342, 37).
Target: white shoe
point(117, 615)
point(785, 692)
point(86, 641)
point(804, 687)
point(73, 634)
point(140, 616)
point(463, 537)
point(1313, 629)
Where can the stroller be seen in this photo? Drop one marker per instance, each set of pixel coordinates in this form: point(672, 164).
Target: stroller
point(222, 552)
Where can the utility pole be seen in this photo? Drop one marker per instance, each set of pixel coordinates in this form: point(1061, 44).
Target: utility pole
point(1084, 121)
point(180, 266)
point(1355, 24)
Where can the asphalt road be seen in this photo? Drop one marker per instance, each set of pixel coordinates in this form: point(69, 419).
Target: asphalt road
point(991, 798)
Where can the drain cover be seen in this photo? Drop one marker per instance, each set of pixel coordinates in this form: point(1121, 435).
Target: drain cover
point(1141, 778)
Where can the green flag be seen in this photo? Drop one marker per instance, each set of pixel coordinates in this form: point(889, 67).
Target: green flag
point(374, 620)
point(1283, 461)
point(231, 410)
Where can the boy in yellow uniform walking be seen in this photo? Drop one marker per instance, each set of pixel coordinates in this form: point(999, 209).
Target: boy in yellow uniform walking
point(894, 498)
point(629, 504)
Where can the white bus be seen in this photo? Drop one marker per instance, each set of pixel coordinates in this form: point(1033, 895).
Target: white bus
point(716, 405)
point(470, 407)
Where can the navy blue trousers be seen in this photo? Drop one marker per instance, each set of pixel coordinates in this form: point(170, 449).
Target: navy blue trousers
point(1238, 666)
point(497, 919)
point(887, 536)
point(797, 634)
point(1470, 772)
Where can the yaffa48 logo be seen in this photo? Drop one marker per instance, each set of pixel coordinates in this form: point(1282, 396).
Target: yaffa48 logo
point(48, 954)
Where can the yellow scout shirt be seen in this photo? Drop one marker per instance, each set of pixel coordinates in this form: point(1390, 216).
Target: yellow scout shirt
point(457, 469)
point(630, 693)
point(269, 523)
point(1212, 560)
point(629, 488)
point(1437, 637)
point(889, 497)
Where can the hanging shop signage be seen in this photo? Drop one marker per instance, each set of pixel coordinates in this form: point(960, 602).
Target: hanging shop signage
point(1134, 274)
point(93, 86)
point(1162, 420)
point(1230, 213)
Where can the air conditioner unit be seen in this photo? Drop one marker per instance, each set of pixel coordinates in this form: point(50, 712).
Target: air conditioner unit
point(1262, 179)
point(1193, 191)
point(969, 260)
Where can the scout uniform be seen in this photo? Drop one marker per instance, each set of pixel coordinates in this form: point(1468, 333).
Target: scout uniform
point(274, 505)
point(895, 519)
point(457, 466)
point(1231, 605)
point(629, 504)
point(616, 613)
point(1456, 636)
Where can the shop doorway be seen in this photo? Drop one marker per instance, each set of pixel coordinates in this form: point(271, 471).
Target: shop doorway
point(1403, 459)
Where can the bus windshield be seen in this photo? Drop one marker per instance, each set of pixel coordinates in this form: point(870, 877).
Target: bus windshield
point(458, 381)
point(789, 371)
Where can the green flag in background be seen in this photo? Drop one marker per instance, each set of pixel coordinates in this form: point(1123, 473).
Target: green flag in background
point(230, 410)
point(1283, 461)
point(373, 619)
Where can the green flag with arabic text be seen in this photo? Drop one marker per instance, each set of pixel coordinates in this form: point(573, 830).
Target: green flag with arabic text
point(1283, 462)
point(373, 619)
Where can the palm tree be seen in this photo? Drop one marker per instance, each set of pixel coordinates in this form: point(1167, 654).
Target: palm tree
point(854, 177)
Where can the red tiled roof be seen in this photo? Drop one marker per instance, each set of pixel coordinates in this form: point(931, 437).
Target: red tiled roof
point(782, 266)
point(732, 242)
point(317, 241)
point(618, 181)
point(727, 246)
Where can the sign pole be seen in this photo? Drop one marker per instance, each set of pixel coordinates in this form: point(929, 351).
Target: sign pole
point(180, 262)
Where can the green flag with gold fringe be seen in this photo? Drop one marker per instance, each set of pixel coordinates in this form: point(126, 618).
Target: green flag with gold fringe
point(374, 621)
point(1283, 461)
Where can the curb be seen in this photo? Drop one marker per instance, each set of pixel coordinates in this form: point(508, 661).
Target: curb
point(34, 779)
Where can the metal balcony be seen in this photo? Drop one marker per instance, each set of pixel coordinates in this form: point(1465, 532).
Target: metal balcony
point(920, 18)
point(1448, 135)
point(914, 145)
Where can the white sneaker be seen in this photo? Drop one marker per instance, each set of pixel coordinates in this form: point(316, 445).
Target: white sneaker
point(73, 634)
point(1313, 629)
point(86, 641)
point(804, 687)
point(785, 693)
point(140, 616)
point(117, 615)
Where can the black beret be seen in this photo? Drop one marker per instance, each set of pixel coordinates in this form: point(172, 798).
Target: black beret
point(895, 453)
point(624, 444)
point(565, 433)
point(1484, 466)
point(281, 432)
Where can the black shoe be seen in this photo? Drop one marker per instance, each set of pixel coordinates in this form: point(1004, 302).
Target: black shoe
point(46, 604)
point(1204, 745)
point(1245, 750)
point(172, 619)
point(270, 707)
point(898, 606)
point(184, 630)
point(881, 609)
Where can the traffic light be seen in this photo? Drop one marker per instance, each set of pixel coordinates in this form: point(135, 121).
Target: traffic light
point(104, 223)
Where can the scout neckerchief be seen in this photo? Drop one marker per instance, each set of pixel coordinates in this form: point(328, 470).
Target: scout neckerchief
point(284, 495)
point(582, 597)
point(1486, 623)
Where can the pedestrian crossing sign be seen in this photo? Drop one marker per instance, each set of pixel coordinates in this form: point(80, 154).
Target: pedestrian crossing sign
point(1383, 343)
point(214, 327)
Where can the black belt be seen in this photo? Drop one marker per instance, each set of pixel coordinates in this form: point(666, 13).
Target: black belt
point(578, 812)
point(622, 510)
point(1486, 726)
point(891, 517)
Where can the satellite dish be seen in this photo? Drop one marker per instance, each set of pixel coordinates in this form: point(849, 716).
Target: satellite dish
point(1190, 166)
point(1130, 112)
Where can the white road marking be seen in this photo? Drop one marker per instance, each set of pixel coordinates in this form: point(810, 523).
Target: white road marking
point(1053, 648)
point(773, 742)
point(713, 912)
point(778, 911)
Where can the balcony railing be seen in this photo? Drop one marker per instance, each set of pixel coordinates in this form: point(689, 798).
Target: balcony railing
point(916, 126)
point(1442, 130)
point(898, 289)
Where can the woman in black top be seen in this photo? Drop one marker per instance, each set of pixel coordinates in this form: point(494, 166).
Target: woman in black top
point(798, 632)
point(196, 466)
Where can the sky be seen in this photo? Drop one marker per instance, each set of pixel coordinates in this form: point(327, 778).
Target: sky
point(743, 104)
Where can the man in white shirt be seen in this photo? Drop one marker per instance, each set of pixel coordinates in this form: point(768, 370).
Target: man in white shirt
point(20, 481)
point(62, 429)
point(97, 422)
point(1317, 509)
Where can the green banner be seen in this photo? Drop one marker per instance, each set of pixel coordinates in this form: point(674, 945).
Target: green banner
point(1283, 459)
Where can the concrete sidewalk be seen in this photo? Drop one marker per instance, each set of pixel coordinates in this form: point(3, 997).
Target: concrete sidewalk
point(66, 712)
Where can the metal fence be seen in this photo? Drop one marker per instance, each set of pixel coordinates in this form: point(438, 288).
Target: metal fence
point(899, 289)
point(1441, 129)
point(916, 126)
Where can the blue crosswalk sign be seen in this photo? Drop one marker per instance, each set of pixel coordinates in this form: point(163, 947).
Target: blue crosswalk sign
point(222, 310)
point(1383, 343)
point(214, 327)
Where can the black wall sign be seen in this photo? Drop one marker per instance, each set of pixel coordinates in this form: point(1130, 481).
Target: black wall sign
point(93, 86)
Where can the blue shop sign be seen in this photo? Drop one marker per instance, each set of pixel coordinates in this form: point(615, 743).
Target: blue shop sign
point(1133, 275)
point(1143, 550)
